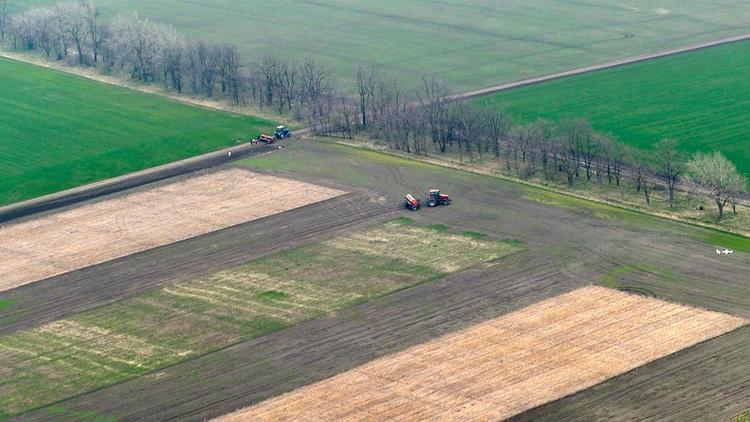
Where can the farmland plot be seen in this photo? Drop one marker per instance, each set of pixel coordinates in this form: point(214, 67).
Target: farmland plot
point(59, 131)
point(468, 44)
point(698, 98)
point(186, 319)
point(97, 232)
point(504, 366)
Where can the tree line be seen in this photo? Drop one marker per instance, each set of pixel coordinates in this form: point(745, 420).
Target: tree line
point(150, 52)
point(570, 151)
point(426, 120)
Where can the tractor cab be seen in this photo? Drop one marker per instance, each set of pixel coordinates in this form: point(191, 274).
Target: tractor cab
point(282, 132)
point(437, 198)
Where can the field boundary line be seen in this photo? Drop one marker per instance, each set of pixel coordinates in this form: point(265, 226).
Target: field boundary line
point(450, 165)
point(130, 180)
point(596, 67)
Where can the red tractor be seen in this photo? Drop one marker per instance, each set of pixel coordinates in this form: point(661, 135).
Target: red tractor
point(437, 198)
point(412, 203)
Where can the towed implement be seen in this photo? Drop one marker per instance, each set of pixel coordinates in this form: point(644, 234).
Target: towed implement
point(265, 139)
point(412, 203)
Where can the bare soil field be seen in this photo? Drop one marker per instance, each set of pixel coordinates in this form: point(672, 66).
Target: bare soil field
point(707, 382)
point(82, 236)
point(504, 366)
point(569, 244)
point(181, 320)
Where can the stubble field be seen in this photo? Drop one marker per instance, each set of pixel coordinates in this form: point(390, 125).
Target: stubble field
point(567, 243)
point(181, 321)
point(90, 234)
point(507, 365)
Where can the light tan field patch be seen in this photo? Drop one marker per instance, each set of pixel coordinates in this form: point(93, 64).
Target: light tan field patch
point(504, 366)
point(444, 252)
point(98, 232)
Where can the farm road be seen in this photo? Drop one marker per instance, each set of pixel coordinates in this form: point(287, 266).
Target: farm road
point(565, 248)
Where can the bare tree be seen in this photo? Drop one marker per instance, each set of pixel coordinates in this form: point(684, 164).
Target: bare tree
point(22, 31)
point(172, 56)
point(718, 176)
point(567, 159)
point(232, 79)
point(647, 188)
point(97, 32)
point(639, 170)
point(670, 164)
point(435, 102)
point(3, 19)
point(577, 132)
point(72, 15)
point(366, 91)
point(136, 44)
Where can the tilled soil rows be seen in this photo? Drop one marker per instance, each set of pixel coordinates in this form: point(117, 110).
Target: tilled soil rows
point(253, 371)
point(567, 247)
point(506, 365)
point(90, 234)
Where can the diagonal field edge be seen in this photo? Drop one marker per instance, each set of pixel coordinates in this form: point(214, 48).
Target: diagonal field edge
point(504, 366)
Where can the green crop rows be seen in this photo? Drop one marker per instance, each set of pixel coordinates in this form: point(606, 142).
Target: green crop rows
point(468, 44)
point(699, 98)
point(58, 131)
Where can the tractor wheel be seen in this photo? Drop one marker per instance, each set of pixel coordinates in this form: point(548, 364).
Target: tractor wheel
point(432, 203)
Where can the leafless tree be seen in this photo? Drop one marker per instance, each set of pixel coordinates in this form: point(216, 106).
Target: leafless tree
point(576, 133)
point(671, 165)
point(22, 31)
point(232, 79)
point(718, 176)
point(172, 56)
point(434, 100)
point(72, 15)
point(3, 19)
point(97, 32)
point(638, 171)
point(647, 188)
point(365, 90)
point(135, 42)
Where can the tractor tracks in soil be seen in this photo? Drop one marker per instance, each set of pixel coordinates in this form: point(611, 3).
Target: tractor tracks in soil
point(317, 349)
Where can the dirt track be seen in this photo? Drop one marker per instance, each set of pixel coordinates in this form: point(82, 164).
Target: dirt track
point(566, 249)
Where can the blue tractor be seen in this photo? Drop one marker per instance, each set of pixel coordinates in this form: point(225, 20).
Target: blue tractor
point(282, 132)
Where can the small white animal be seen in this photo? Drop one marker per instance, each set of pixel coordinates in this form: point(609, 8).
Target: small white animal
point(229, 154)
point(724, 252)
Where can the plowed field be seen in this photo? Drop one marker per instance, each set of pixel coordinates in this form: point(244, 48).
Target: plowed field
point(501, 367)
point(101, 231)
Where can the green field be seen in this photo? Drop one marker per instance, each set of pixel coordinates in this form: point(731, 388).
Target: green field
point(698, 98)
point(468, 44)
point(183, 320)
point(59, 131)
